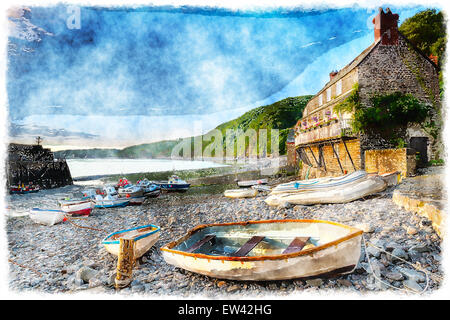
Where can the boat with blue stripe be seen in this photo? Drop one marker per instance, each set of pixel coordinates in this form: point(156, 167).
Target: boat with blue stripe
point(144, 237)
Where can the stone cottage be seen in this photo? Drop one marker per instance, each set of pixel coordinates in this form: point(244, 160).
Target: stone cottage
point(323, 138)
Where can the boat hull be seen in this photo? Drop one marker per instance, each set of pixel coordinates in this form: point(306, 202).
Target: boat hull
point(240, 193)
point(77, 207)
point(46, 217)
point(142, 243)
point(340, 256)
point(174, 186)
point(111, 203)
point(136, 201)
point(342, 194)
point(249, 183)
point(153, 194)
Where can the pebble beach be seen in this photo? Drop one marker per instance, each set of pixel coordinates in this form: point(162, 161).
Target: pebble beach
point(69, 257)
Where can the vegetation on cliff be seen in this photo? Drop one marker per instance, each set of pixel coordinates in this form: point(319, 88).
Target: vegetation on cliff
point(281, 115)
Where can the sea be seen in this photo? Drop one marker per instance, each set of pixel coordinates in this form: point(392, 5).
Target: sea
point(97, 167)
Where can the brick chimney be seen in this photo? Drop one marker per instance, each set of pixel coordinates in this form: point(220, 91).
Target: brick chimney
point(386, 27)
point(333, 74)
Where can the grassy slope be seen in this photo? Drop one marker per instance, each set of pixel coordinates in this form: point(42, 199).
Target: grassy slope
point(280, 115)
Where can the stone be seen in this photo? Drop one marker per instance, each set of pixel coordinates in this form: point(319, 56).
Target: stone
point(399, 253)
point(221, 284)
point(412, 285)
point(314, 282)
point(86, 274)
point(366, 227)
point(411, 274)
point(233, 288)
point(411, 230)
point(394, 275)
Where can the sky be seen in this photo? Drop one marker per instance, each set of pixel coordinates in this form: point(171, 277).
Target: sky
point(117, 76)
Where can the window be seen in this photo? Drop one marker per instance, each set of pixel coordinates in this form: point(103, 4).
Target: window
point(329, 94)
point(339, 87)
point(320, 100)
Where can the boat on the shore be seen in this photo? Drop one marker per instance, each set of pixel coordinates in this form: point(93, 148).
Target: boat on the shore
point(130, 191)
point(151, 190)
point(240, 193)
point(136, 201)
point(47, 217)
point(144, 236)
point(320, 183)
point(262, 188)
point(23, 189)
point(249, 183)
point(333, 194)
point(173, 184)
point(74, 207)
point(267, 250)
point(110, 201)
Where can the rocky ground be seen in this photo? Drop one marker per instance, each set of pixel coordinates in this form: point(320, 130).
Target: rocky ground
point(65, 259)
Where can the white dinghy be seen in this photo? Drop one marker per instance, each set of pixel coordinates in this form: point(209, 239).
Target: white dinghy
point(338, 194)
point(240, 193)
point(267, 250)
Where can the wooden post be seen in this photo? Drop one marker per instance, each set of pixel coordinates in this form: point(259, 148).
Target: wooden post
point(125, 263)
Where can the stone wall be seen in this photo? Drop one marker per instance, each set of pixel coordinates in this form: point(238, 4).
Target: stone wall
point(291, 155)
point(331, 167)
point(398, 68)
point(390, 160)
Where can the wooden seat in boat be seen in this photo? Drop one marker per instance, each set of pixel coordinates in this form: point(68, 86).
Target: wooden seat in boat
point(296, 245)
point(200, 243)
point(248, 246)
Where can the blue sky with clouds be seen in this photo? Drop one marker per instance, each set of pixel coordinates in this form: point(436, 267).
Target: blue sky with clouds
point(129, 76)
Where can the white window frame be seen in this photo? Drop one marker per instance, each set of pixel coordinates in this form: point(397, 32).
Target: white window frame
point(339, 87)
point(320, 100)
point(329, 94)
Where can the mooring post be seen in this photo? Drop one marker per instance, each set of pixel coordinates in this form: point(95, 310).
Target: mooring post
point(125, 263)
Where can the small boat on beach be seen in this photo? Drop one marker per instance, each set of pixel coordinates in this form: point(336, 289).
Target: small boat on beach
point(320, 183)
point(262, 188)
point(249, 183)
point(47, 217)
point(136, 201)
point(267, 250)
point(110, 201)
point(130, 191)
point(23, 189)
point(240, 193)
point(144, 236)
point(151, 190)
point(333, 194)
point(173, 184)
point(74, 207)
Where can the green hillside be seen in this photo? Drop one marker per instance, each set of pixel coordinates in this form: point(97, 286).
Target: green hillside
point(281, 115)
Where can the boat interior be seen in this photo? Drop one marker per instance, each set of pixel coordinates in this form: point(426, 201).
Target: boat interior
point(260, 239)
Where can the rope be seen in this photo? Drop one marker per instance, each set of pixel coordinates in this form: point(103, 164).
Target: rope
point(82, 227)
point(388, 284)
point(21, 265)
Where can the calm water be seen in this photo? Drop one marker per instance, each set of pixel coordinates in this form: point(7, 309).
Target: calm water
point(94, 167)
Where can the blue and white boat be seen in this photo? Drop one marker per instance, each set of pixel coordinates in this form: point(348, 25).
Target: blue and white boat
point(174, 184)
point(110, 201)
point(150, 189)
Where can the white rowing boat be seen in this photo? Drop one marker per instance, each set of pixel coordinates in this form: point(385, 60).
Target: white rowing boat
point(336, 194)
point(249, 183)
point(267, 250)
point(240, 193)
point(319, 183)
point(144, 237)
point(47, 217)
